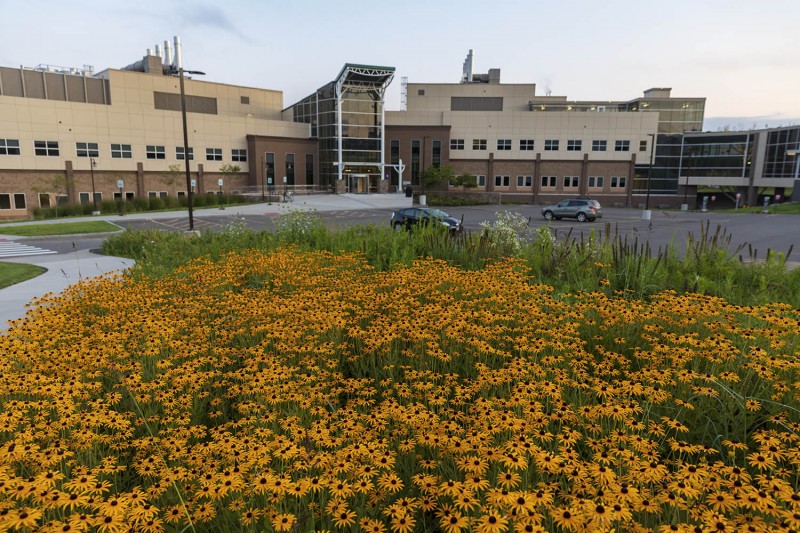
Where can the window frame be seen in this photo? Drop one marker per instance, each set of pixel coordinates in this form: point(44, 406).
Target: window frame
point(551, 145)
point(87, 149)
point(479, 144)
point(155, 151)
point(599, 145)
point(180, 156)
point(46, 148)
point(622, 145)
point(7, 148)
point(503, 145)
point(120, 152)
point(526, 145)
point(213, 154)
point(239, 155)
point(574, 145)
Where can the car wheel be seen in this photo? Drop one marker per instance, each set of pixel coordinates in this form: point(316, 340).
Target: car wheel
point(581, 217)
point(548, 215)
point(398, 226)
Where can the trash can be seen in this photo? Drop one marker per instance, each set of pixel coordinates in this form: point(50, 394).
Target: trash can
point(409, 191)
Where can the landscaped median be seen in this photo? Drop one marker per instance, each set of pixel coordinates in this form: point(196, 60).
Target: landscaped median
point(12, 273)
point(307, 390)
point(61, 228)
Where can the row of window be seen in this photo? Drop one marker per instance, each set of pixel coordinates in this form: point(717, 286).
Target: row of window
point(549, 182)
point(18, 200)
point(550, 145)
point(118, 151)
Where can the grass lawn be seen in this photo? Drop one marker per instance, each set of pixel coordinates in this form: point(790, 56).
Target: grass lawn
point(65, 228)
point(11, 273)
point(792, 208)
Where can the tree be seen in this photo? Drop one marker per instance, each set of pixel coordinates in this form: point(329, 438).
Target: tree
point(229, 169)
point(434, 176)
point(466, 180)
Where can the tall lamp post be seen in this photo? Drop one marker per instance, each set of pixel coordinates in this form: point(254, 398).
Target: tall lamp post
point(646, 214)
point(796, 184)
point(181, 72)
point(92, 164)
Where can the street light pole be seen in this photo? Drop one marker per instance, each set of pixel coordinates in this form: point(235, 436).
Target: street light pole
point(189, 194)
point(646, 214)
point(92, 164)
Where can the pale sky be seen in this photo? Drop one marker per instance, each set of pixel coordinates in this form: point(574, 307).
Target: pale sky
point(743, 56)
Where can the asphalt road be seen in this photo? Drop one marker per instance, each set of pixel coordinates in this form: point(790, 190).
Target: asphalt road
point(747, 235)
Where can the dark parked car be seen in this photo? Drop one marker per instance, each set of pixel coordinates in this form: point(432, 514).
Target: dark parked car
point(406, 218)
point(582, 209)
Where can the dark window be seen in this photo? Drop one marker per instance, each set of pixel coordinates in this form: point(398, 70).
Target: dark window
point(309, 169)
point(9, 147)
point(269, 168)
point(479, 144)
point(239, 154)
point(415, 153)
point(574, 145)
point(551, 145)
point(245, 100)
point(503, 144)
point(436, 153)
point(19, 201)
point(622, 146)
point(642, 146)
point(87, 149)
point(155, 152)
point(46, 148)
point(121, 151)
point(394, 151)
point(599, 146)
point(456, 144)
point(213, 154)
point(5, 201)
point(179, 153)
point(526, 144)
point(420, 92)
point(290, 169)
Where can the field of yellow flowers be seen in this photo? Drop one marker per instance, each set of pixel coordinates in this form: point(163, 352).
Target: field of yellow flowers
point(307, 391)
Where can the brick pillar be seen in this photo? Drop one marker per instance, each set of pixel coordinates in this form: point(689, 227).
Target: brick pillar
point(537, 180)
point(140, 180)
point(70, 183)
point(490, 173)
point(201, 188)
point(583, 190)
point(629, 187)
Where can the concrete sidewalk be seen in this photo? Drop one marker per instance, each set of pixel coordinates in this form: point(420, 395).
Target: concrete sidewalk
point(64, 270)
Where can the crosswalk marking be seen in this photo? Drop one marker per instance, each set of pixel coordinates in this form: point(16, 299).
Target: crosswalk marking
point(15, 249)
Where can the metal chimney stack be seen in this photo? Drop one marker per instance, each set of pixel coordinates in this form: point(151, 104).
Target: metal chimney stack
point(167, 54)
point(158, 51)
point(178, 62)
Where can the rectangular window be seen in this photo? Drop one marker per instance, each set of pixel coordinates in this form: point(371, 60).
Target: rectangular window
point(155, 152)
point(19, 201)
point(121, 151)
point(239, 154)
point(614, 182)
point(394, 151)
point(574, 145)
point(599, 146)
point(456, 144)
point(497, 180)
point(436, 153)
point(269, 168)
point(179, 153)
point(86, 197)
point(5, 201)
point(642, 146)
point(309, 169)
point(162, 194)
point(245, 100)
point(622, 181)
point(622, 146)
point(87, 149)
point(502, 181)
point(44, 199)
point(520, 181)
point(551, 145)
point(575, 181)
point(526, 144)
point(528, 181)
point(479, 144)
point(571, 182)
point(213, 154)
point(548, 181)
point(481, 181)
point(415, 159)
point(152, 194)
point(46, 148)
point(290, 169)
point(595, 182)
point(9, 147)
point(618, 182)
point(503, 144)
